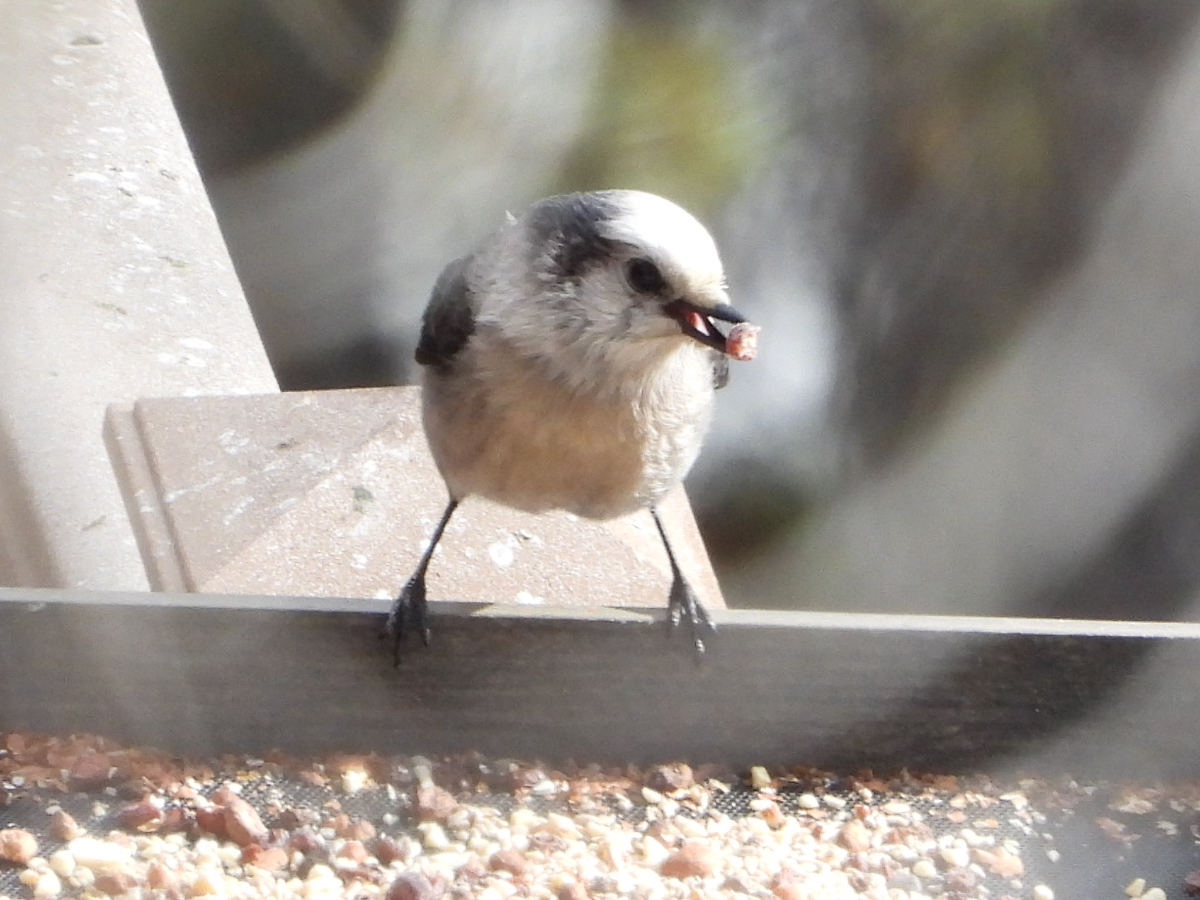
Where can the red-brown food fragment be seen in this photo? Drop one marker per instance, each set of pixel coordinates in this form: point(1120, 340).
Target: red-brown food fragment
point(472, 870)
point(517, 777)
point(572, 890)
point(693, 858)
point(145, 815)
point(1000, 862)
point(1115, 831)
point(178, 818)
point(63, 826)
point(434, 803)
point(772, 814)
point(512, 861)
point(161, 878)
point(290, 819)
point(354, 851)
point(242, 822)
point(116, 883)
point(414, 886)
point(789, 885)
point(360, 830)
point(212, 820)
point(17, 846)
point(671, 777)
point(89, 771)
point(1191, 883)
point(270, 859)
point(388, 850)
point(307, 841)
point(742, 341)
point(855, 837)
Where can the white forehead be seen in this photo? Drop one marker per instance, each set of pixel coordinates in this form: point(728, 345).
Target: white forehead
point(666, 232)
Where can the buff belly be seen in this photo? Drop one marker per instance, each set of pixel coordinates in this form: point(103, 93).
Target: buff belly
point(534, 446)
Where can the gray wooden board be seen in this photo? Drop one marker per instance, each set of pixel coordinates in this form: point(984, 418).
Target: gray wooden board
point(199, 674)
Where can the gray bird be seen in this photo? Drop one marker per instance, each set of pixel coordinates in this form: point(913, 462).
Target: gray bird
point(570, 363)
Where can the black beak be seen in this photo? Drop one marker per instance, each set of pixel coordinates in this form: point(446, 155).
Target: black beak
point(697, 321)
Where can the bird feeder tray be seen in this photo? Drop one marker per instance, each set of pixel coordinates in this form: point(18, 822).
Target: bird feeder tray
point(209, 674)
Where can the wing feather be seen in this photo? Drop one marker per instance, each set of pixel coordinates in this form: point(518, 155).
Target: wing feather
point(449, 319)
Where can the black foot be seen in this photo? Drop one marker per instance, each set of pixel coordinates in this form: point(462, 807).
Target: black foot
point(684, 604)
point(408, 610)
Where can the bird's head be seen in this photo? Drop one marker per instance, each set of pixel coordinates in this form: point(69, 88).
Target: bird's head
point(626, 274)
point(671, 278)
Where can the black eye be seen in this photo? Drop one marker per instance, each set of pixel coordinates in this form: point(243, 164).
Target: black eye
point(644, 276)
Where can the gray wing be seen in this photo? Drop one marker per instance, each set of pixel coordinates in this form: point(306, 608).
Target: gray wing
point(449, 319)
point(720, 370)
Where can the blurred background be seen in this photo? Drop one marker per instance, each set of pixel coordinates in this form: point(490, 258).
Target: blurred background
point(969, 231)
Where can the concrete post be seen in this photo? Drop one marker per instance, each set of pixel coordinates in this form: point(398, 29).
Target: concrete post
point(114, 282)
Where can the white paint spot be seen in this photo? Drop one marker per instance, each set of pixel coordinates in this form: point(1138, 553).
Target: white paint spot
point(358, 561)
point(524, 598)
point(502, 554)
point(231, 442)
point(172, 496)
point(193, 343)
point(92, 177)
point(238, 508)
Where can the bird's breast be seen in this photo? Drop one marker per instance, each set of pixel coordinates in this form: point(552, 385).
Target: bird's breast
point(500, 428)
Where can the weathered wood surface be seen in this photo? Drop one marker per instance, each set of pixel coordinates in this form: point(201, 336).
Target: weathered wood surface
point(198, 674)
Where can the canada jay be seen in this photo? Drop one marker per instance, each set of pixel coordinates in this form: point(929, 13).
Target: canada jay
point(570, 362)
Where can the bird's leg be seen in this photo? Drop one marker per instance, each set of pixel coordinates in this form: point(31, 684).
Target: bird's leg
point(410, 606)
point(683, 602)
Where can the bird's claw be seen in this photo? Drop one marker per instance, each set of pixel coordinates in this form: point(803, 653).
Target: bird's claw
point(684, 604)
point(409, 608)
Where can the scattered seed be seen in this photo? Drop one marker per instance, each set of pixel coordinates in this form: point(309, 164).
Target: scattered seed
point(669, 778)
point(694, 858)
point(242, 822)
point(17, 846)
